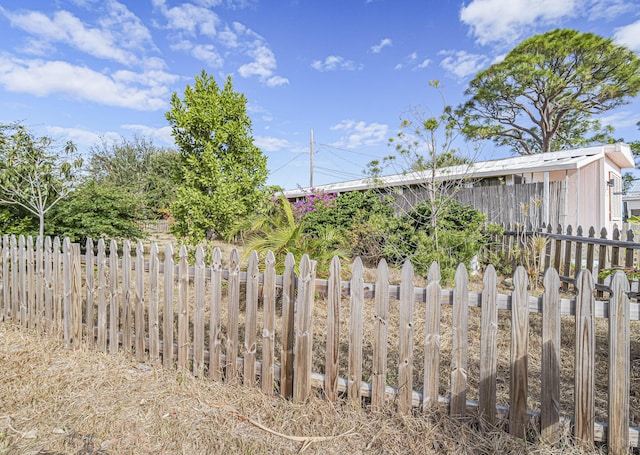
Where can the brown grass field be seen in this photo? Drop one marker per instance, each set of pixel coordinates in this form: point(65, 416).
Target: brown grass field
point(58, 401)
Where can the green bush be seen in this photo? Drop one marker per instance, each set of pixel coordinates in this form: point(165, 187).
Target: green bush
point(360, 218)
point(458, 235)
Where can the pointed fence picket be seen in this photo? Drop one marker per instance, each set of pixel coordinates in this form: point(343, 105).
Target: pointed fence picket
point(112, 303)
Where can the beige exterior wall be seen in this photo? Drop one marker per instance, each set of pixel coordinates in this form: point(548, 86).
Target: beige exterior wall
point(588, 199)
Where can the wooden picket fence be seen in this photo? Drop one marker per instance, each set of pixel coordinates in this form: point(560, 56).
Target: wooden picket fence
point(173, 314)
point(569, 251)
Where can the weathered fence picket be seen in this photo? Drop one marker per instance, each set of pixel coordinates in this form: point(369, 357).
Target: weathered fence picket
point(488, 348)
point(49, 289)
point(405, 332)
point(355, 330)
point(269, 325)
point(334, 298)
point(380, 328)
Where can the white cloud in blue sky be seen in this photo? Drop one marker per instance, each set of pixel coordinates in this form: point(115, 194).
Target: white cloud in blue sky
point(89, 70)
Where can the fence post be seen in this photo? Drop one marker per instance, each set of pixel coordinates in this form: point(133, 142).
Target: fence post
point(269, 324)
point(89, 262)
point(489, 348)
point(406, 330)
point(102, 297)
point(167, 309)
point(304, 330)
point(233, 311)
point(215, 317)
point(198, 313)
point(6, 261)
point(30, 287)
point(380, 336)
point(460, 345)
point(432, 339)
point(334, 297)
point(585, 360)
point(66, 274)
point(48, 285)
point(127, 302)
point(519, 387)
point(550, 384)
point(251, 320)
point(114, 307)
point(39, 269)
point(355, 331)
point(139, 322)
point(22, 274)
point(288, 311)
point(154, 302)
point(183, 310)
point(76, 296)
point(619, 365)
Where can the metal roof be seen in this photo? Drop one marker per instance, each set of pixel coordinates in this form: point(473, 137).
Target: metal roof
point(619, 154)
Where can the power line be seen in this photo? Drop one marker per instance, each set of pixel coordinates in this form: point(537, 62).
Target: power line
point(347, 150)
point(288, 162)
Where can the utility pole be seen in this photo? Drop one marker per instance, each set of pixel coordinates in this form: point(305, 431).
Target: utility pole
point(311, 161)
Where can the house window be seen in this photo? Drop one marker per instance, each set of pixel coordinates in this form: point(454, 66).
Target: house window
point(614, 185)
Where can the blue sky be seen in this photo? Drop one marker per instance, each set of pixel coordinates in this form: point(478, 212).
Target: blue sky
point(92, 70)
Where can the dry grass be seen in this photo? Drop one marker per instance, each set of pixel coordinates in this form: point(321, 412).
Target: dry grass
point(56, 401)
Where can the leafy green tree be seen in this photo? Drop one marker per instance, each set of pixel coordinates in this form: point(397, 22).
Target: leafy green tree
point(138, 166)
point(545, 93)
point(95, 210)
point(222, 172)
point(33, 175)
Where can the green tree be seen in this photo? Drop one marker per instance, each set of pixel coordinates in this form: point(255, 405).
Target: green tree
point(33, 175)
point(140, 167)
point(545, 93)
point(222, 172)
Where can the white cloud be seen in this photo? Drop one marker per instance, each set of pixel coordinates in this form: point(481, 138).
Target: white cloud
point(629, 36)
point(189, 19)
point(119, 32)
point(609, 9)
point(271, 144)
point(141, 91)
point(507, 20)
point(424, 64)
point(163, 134)
point(208, 54)
point(358, 134)
point(334, 63)
point(620, 120)
point(82, 137)
point(462, 64)
point(378, 47)
point(262, 66)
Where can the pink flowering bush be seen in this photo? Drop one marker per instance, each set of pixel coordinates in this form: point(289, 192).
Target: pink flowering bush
point(315, 200)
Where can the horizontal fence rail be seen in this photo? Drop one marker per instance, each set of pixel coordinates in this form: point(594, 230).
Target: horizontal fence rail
point(260, 329)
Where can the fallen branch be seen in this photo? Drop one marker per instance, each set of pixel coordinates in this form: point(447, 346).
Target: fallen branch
point(306, 440)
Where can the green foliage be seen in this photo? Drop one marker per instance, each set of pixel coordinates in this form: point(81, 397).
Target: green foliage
point(32, 175)
point(280, 232)
point(459, 234)
point(360, 218)
point(542, 97)
point(16, 221)
point(146, 171)
point(222, 173)
point(96, 211)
